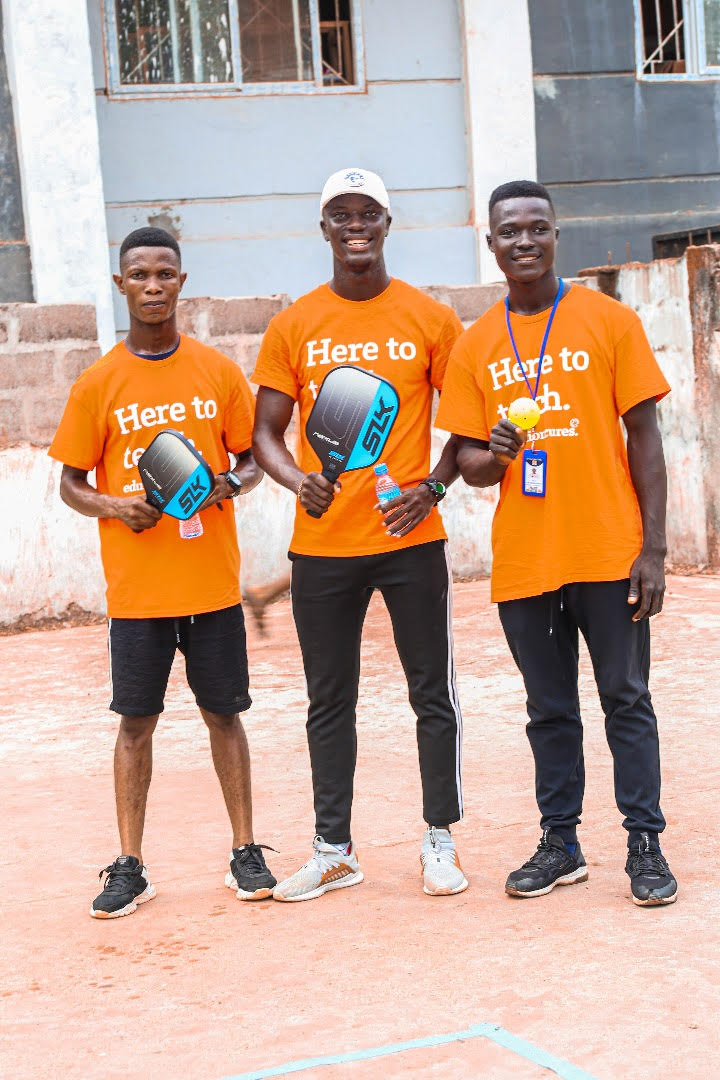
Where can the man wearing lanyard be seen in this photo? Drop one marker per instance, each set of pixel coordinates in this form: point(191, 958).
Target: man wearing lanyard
point(579, 531)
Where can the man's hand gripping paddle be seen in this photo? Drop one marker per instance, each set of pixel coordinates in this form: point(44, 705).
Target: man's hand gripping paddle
point(177, 479)
point(350, 421)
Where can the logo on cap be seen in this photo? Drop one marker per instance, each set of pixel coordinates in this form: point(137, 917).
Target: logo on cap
point(357, 179)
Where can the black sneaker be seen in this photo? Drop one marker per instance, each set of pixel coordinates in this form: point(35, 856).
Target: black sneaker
point(551, 865)
point(126, 885)
point(651, 879)
point(248, 875)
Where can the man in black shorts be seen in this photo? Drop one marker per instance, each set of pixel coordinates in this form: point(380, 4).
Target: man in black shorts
point(167, 586)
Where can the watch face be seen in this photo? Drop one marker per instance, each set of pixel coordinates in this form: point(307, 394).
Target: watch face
point(440, 489)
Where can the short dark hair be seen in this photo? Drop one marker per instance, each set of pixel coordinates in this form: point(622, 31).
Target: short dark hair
point(148, 237)
point(519, 189)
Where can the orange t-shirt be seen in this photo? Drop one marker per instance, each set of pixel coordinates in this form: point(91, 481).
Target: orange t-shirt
point(597, 365)
point(115, 409)
point(403, 336)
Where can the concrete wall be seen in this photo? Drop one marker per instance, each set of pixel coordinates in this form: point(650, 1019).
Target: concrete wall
point(499, 108)
point(50, 75)
point(679, 303)
point(15, 276)
point(49, 557)
point(704, 294)
point(625, 159)
point(239, 178)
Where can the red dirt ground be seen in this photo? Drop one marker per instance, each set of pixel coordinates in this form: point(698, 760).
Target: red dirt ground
point(199, 985)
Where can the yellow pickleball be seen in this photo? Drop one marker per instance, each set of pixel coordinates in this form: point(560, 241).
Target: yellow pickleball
point(524, 413)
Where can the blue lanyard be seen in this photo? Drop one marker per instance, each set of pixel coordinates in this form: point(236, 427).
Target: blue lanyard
point(558, 296)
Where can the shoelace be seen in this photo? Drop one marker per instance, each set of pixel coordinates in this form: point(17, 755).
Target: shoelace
point(446, 854)
point(546, 854)
point(116, 877)
point(648, 860)
point(251, 859)
point(324, 860)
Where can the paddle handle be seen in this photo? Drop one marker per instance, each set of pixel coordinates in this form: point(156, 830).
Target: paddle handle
point(331, 475)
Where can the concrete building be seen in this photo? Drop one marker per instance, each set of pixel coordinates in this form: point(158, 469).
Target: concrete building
point(220, 119)
point(627, 115)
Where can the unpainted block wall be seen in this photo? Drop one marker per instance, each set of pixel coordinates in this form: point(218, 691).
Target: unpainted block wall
point(43, 349)
point(49, 555)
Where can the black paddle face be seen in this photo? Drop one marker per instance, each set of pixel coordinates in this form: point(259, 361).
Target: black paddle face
point(176, 478)
point(351, 420)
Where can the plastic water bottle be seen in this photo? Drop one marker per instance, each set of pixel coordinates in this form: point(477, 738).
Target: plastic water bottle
point(385, 487)
point(192, 528)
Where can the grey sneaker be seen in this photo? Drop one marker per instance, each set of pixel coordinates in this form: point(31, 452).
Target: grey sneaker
point(442, 873)
point(327, 869)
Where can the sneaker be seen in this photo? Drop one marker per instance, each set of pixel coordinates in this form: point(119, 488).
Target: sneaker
point(327, 869)
point(248, 875)
point(126, 885)
point(551, 865)
point(442, 874)
point(651, 879)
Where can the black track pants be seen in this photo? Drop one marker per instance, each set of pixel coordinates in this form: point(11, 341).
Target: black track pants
point(542, 632)
point(330, 598)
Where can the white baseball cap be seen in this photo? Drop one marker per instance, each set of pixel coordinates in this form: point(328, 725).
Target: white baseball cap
point(355, 182)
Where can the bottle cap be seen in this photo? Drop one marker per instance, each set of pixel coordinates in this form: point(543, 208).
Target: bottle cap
point(381, 469)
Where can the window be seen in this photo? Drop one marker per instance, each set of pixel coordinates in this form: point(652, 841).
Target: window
point(670, 245)
point(233, 46)
point(678, 38)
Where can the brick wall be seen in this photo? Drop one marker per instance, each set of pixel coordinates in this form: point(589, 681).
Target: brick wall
point(233, 326)
point(43, 349)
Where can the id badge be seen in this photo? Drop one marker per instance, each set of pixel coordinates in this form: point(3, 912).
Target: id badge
point(534, 471)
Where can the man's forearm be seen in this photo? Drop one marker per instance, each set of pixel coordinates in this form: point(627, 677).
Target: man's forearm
point(446, 470)
point(81, 496)
point(649, 477)
point(273, 456)
point(248, 471)
point(479, 467)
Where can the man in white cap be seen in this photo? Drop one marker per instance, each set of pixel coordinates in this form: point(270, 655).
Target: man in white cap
point(364, 317)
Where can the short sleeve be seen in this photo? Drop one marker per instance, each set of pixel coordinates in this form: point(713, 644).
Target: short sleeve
point(239, 414)
point(80, 437)
point(450, 331)
point(274, 367)
point(462, 401)
point(637, 372)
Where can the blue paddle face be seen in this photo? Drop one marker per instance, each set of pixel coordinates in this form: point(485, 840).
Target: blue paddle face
point(351, 419)
point(176, 478)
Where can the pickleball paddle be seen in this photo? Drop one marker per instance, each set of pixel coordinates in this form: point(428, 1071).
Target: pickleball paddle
point(177, 479)
point(351, 420)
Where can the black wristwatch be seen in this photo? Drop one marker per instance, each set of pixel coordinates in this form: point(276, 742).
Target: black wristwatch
point(439, 490)
point(235, 484)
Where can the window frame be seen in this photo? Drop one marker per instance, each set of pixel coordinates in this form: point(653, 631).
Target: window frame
point(236, 88)
point(694, 38)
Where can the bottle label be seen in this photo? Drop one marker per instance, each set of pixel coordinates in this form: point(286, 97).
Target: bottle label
point(389, 494)
point(191, 528)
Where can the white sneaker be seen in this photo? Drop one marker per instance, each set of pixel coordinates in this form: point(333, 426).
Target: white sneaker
point(442, 873)
point(327, 869)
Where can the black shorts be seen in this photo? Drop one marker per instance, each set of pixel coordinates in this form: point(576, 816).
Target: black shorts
point(213, 644)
